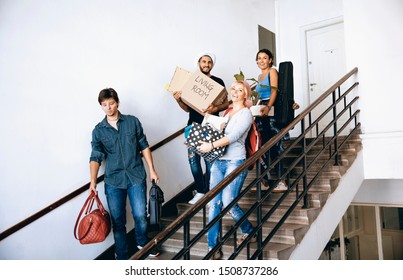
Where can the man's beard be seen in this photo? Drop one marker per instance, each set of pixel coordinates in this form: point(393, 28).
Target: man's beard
point(204, 72)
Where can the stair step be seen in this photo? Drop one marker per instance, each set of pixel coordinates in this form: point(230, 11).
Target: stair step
point(169, 255)
point(273, 251)
point(299, 215)
point(250, 198)
point(351, 143)
point(317, 198)
point(327, 182)
point(288, 233)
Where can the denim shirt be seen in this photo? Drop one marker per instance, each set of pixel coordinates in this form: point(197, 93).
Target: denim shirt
point(121, 150)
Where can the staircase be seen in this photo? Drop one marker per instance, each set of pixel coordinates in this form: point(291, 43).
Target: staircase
point(296, 225)
point(315, 161)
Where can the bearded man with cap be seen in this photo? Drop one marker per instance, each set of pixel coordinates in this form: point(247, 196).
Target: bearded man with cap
point(205, 62)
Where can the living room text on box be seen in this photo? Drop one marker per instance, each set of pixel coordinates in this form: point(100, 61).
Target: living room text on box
point(202, 87)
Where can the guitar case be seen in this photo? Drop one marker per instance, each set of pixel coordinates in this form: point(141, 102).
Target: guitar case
point(283, 111)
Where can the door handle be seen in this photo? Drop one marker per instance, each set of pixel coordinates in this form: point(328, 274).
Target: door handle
point(313, 84)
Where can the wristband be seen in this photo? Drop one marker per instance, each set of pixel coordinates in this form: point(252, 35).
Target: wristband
point(212, 145)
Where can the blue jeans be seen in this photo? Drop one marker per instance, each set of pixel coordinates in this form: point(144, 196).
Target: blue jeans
point(219, 170)
point(202, 182)
point(116, 199)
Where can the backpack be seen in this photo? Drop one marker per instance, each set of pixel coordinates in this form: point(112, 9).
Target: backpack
point(253, 141)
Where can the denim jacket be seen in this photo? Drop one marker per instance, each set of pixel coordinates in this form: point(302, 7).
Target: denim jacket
point(121, 150)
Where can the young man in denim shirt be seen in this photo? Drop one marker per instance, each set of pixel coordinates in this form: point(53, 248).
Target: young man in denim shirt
point(205, 62)
point(119, 140)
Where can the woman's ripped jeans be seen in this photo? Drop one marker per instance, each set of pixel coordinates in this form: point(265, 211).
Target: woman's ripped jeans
point(219, 170)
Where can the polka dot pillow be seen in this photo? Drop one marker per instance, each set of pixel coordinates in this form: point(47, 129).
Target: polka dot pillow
point(198, 133)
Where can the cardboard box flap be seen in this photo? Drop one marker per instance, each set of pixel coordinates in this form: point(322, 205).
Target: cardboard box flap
point(179, 79)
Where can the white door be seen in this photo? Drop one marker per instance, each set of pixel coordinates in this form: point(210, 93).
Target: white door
point(326, 64)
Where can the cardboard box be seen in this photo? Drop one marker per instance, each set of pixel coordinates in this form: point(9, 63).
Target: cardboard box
point(256, 110)
point(179, 79)
point(200, 91)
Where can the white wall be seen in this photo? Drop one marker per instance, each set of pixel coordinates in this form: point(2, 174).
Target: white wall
point(380, 192)
point(374, 44)
point(292, 17)
point(55, 57)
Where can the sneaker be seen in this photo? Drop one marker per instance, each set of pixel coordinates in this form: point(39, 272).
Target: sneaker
point(281, 187)
point(265, 182)
point(196, 198)
point(217, 255)
point(243, 238)
point(153, 253)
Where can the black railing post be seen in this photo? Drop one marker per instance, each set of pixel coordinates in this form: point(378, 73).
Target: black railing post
point(336, 158)
point(258, 210)
point(304, 169)
point(186, 239)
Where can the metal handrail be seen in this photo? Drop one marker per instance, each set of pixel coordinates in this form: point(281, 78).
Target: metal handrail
point(184, 219)
point(73, 194)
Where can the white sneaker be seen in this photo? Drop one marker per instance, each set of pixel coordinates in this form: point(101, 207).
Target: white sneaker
point(196, 198)
point(281, 187)
point(153, 253)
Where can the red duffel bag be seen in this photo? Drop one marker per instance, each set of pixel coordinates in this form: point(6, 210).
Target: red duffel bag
point(95, 226)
